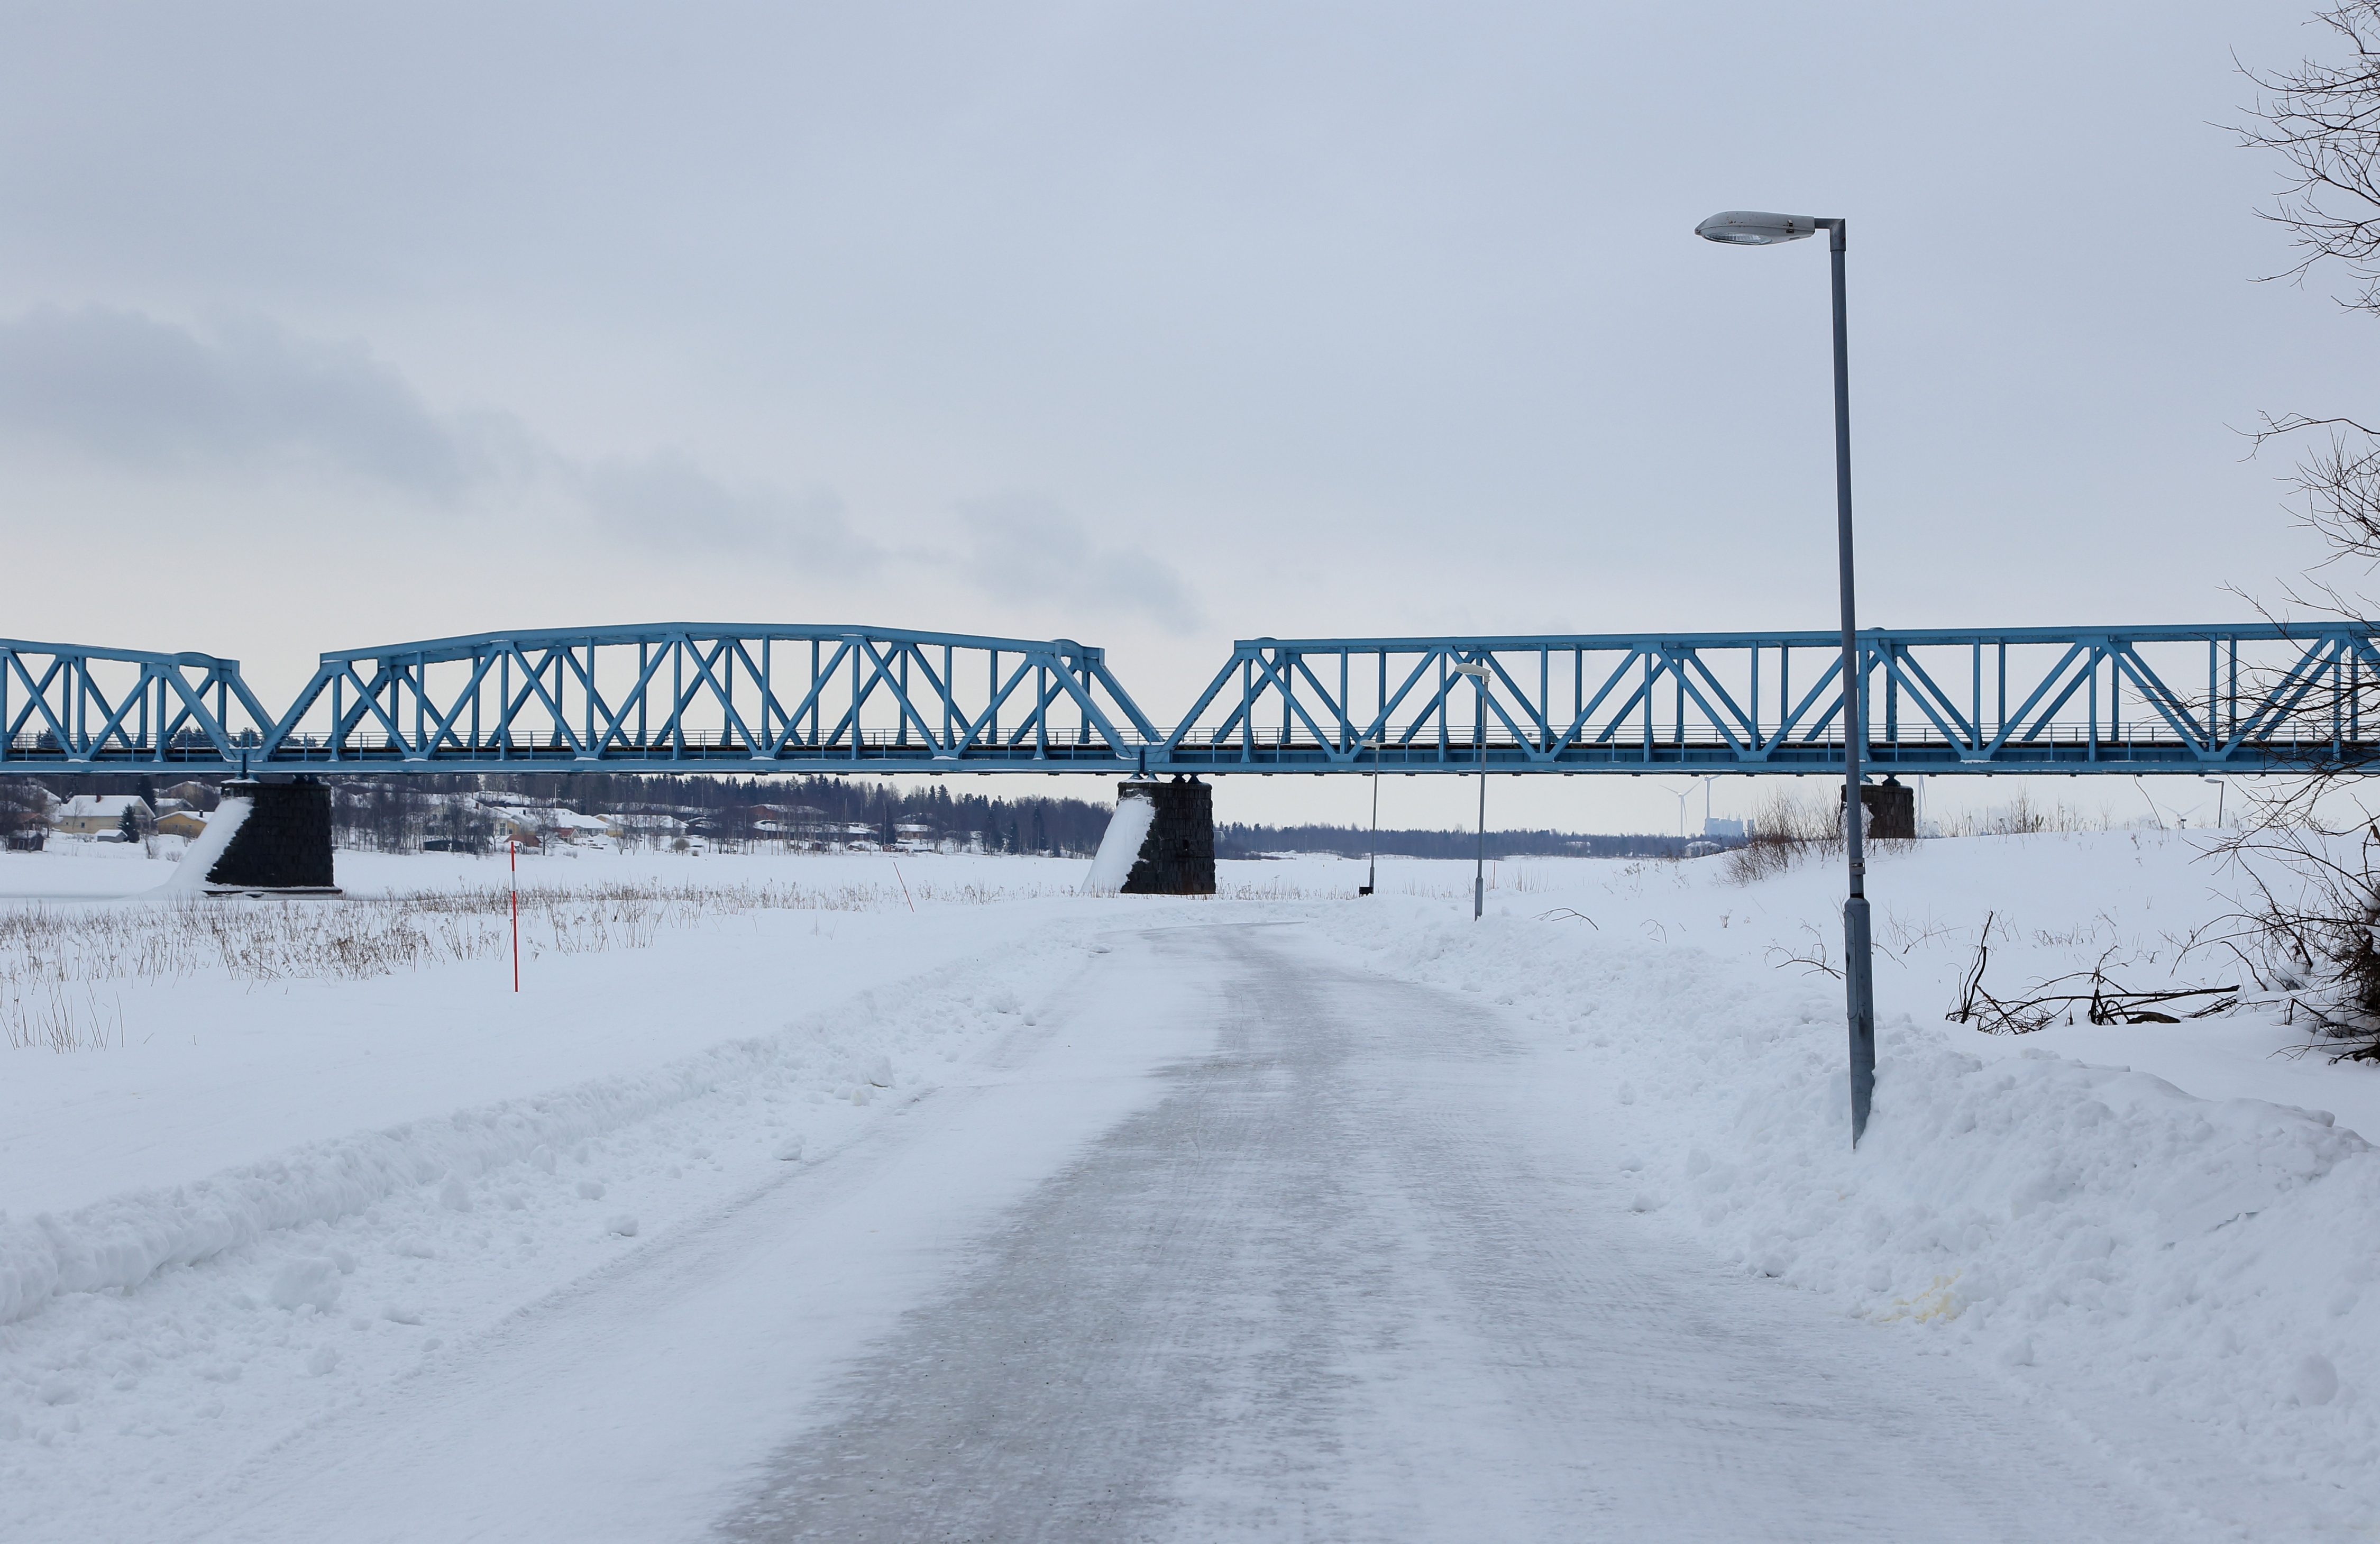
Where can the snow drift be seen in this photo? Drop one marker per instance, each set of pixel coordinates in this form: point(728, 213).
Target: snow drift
point(190, 876)
point(1120, 847)
point(2090, 1228)
point(842, 1053)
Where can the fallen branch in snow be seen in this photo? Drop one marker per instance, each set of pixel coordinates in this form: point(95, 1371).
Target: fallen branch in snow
point(1564, 914)
point(2109, 1004)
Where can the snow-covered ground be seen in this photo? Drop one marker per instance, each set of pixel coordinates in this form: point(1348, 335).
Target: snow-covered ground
point(293, 1187)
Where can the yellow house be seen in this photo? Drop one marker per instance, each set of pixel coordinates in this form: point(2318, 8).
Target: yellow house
point(181, 822)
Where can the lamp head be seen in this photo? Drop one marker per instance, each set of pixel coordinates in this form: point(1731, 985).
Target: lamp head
point(1749, 227)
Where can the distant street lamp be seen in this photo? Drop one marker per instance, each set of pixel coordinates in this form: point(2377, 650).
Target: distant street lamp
point(1372, 873)
point(1479, 674)
point(1739, 228)
point(2218, 797)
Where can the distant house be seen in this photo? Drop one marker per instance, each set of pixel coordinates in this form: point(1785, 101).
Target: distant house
point(571, 826)
point(529, 827)
point(92, 814)
point(181, 822)
point(198, 795)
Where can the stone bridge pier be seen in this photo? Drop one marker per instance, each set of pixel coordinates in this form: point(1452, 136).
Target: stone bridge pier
point(283, 845)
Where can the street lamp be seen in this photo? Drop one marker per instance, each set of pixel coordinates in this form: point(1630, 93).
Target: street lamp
point(1372, 872)
point(1479, 674)
point(2218, 797)
point(1739, 228)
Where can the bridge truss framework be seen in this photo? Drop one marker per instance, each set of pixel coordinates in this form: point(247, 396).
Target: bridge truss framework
point(678, 698)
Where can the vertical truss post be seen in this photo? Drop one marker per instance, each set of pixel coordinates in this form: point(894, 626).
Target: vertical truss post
point(1649, 709)
point(2090, 667)
point(1891, 698)
point(1247, 712)
point(1678, 710)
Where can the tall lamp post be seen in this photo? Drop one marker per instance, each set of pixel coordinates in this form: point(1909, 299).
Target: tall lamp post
point(1479, 674)
point(1739, 228)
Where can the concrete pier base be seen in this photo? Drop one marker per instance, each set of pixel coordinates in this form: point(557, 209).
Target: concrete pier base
point(1177, 856)
point(283, 846)
point(1891, 807)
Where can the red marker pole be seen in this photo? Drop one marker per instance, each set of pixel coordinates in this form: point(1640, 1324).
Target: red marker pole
point(515, 844)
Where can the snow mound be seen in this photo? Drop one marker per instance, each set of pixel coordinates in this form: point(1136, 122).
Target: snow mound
point(1120, 848)
point(190, 876)
point(2075, 1227)
point(834, 1054)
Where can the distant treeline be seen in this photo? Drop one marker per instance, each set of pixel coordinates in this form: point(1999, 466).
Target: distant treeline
point(1251, 841)
point(398, 814)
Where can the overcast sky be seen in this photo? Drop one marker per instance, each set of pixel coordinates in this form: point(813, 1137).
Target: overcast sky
point(1155, 326)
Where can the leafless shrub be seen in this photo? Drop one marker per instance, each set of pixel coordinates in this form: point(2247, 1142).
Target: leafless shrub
point(2307, 934)
point(1813, 957)
point(2320, 119)
point(2024, 816)
point(1784, 831)
point(1787, 830)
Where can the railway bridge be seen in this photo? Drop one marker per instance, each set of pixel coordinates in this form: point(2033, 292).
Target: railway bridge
point(708, 697)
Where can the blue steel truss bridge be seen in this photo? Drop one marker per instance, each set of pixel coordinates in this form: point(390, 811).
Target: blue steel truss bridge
point(681, 698)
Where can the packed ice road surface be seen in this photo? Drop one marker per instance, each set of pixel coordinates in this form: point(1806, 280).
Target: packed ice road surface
point(1347, 1279)
point(1021, 1215)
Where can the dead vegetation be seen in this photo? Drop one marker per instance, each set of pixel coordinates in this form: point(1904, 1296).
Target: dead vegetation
point(2305, 933)
point(54, 960)
point(1788, 830)
point(2094, 993)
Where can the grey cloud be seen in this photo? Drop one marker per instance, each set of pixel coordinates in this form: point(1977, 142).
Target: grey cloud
point(127, 389)
point(1025, 547)
point(669, 503)
point(135, 393)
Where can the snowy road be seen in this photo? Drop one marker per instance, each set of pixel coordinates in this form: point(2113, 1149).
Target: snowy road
point(1337, 1285)
point(1302, 1254)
